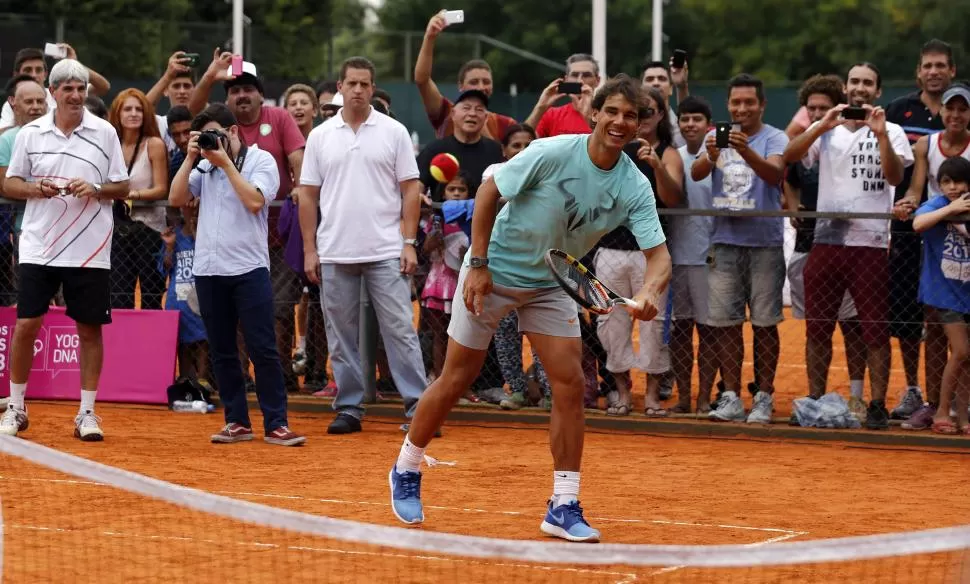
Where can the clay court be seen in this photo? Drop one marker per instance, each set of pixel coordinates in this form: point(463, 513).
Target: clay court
point(637, 488)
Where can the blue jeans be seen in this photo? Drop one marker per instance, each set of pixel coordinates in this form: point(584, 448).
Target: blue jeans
point(225, 302)
point(390, 294)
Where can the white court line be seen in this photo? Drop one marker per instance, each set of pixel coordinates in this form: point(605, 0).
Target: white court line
point(622, 578)
point(788, 532)
point(770, 540)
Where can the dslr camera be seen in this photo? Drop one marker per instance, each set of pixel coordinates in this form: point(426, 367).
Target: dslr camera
point(210, 139)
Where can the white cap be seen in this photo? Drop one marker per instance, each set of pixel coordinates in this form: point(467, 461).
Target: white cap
point(247, 67)
point(337, 99)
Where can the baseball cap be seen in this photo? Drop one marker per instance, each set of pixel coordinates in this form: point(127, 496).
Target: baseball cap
point(248, 77)
point(472, 93)
point(957, 91)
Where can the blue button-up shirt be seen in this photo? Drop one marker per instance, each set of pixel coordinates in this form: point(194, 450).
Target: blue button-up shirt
point(230, 240)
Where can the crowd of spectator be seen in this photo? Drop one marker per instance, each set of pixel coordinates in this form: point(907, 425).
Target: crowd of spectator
point(361, 231)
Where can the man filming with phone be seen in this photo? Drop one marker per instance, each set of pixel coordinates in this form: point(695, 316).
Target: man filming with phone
point(581, 80)
point(864, 158)
point(234, 184)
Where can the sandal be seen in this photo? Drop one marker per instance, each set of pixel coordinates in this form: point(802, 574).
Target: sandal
point(680, 409)
point(655, 412)
point(615, 406)
point(945, 427)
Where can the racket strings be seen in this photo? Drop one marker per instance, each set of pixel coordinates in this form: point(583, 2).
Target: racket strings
point(581, 284)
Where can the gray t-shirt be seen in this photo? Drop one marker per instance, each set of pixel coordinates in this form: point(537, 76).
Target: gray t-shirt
point(690, 235)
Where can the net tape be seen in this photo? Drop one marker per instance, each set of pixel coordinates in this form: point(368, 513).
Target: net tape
point(816, 551)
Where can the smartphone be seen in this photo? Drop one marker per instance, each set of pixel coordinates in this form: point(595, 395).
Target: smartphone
point(570, 87)
point(454, 17)
point(680, 59)
point(722, 134)
point(854, 113)
point(52, 50)
point(190, 59)
point(237, 65)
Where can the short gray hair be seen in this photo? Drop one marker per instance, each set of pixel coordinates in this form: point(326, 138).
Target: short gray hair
point(67, 70)
point(581, 57)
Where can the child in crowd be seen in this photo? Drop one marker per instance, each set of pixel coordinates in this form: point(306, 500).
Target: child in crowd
point(176, 262)
point(445, 244)
point(945, 285)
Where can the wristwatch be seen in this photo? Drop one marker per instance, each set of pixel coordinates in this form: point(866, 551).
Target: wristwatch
point(97, 188)
point(474, 262)
point(412, 242)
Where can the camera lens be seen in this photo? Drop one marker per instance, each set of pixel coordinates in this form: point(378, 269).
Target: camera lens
point(209, 140)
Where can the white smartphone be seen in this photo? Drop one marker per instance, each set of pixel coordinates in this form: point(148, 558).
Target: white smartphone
point(52, 50)
point(454, 17)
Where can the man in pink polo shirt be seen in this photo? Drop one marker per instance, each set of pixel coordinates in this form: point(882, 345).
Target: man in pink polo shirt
point(573, 117)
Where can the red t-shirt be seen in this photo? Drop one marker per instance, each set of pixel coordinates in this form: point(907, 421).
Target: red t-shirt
point(495, 124)
point(562, 120)
point(277, 133)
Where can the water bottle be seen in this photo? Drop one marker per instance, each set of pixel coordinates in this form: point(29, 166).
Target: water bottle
point(198, 406)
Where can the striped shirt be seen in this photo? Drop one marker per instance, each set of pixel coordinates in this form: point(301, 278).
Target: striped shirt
point(65, 231)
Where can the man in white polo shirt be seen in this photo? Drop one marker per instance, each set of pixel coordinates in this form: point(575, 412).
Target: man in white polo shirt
point(69, 167)
point(359, 170)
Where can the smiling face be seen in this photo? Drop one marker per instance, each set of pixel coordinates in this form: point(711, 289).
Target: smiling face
point(518, 142)
point(29, 102)
point(300, 107)
point(956, 115)
point(935, 72)
point(616, 122)
point(69, 96)
point(745, 107)
point(693, 127)
point(469, 115)
point(862, 86)
point(244, 101)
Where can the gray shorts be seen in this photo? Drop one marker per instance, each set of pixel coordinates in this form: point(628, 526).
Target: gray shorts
point(746, 277)
point(796, 279)
point(547, 311)
point(690, 287)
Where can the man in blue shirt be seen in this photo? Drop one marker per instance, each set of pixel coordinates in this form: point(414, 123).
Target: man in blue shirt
point(234, 184)
point(747, 260)
point(564, 192)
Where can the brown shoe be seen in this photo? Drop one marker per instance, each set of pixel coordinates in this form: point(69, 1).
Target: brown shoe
point(231, 433)
point(283, 436)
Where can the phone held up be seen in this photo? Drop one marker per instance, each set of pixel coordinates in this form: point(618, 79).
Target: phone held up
point(52, 50)
point(190, 60)
point(854, 113)
point(679, 60)
point(722, 134)
point(454, 17)
point(570, 87)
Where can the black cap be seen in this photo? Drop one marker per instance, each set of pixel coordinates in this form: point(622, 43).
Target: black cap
point(472, 93)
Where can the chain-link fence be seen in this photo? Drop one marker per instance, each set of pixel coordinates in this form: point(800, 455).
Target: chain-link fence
point(715, 331)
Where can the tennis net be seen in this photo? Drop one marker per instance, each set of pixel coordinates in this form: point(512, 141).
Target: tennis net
point(69, 519)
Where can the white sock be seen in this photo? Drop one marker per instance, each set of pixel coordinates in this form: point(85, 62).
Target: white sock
point(410, 458)
point(565, 487)
point(300, 344)
point(87, 400)
point(17, 392)
point(856, 387)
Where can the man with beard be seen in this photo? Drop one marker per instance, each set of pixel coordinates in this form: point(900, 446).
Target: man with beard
point(273, 130)
point(861, 163)
point(919, 115)
point(563, 192)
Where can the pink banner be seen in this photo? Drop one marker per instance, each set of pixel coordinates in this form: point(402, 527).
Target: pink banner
point(139, 356)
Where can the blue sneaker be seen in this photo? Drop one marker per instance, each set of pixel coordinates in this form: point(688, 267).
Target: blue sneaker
point(566, 521)
point(406, 495)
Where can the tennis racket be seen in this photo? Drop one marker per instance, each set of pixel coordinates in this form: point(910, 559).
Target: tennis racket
point(581, 285)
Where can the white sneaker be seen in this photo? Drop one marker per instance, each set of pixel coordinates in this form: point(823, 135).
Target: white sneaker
point(729, 408)
point(13, 421)
point(87, 427)
point(764, 405)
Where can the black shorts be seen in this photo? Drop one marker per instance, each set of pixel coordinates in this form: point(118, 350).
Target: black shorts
point(87, 292)
point(905, 311)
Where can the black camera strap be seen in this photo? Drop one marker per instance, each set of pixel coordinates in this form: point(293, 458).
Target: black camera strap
point(241, 156)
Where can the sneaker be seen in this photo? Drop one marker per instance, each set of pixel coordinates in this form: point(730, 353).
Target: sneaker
point(857, 407)
point(729, 408)
point(299, 363)
point(567, 521)
point(13, 421)
point(922, 419)
point(877, 416)
point(87, 427)
point(406, 495)
point(912, 401)
point(231, 433)
point(764, 405)
point(329, 391)
point(515, 401)
point(283, 436)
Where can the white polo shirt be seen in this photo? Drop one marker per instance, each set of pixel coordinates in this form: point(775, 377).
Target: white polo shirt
point(359, 176)
point(66, 231)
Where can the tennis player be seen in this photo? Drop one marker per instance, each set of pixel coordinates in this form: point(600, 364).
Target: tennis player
point(565, 193)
